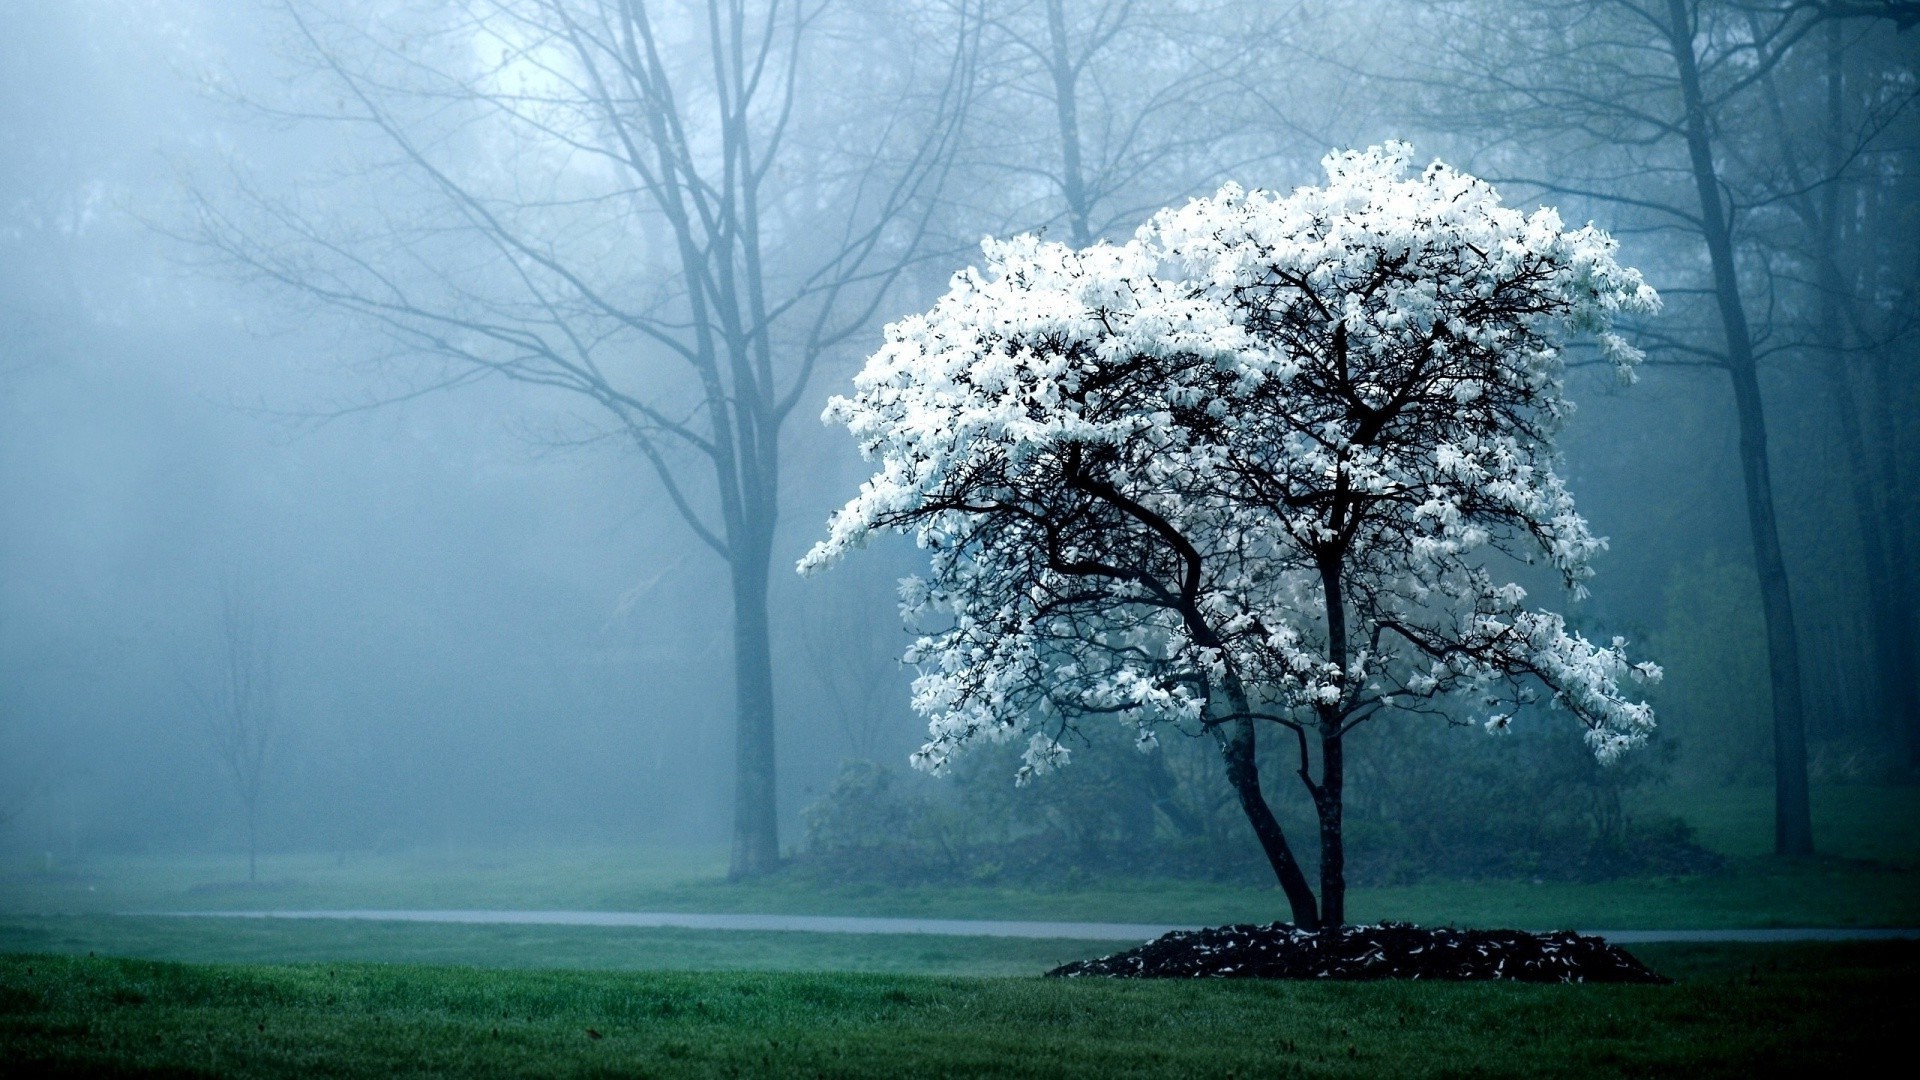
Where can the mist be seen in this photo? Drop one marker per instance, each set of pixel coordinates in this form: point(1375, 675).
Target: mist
point(257, 363)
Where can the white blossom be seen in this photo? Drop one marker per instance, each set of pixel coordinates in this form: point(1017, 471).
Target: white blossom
point(1133, 464)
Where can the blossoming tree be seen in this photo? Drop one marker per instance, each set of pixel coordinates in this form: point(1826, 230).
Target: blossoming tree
point(1265, 467)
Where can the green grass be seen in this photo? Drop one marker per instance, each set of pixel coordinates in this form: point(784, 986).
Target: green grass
point(1752, 892)
point(288, 941)
point(1868, 877)
point(1736, 1011)
point(545, 877)
point(357, 1000)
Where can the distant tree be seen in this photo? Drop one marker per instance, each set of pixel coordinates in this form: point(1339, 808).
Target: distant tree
point(1262, 465)
point(1093, 113)
point(239, 705)
point(1669, 110)
point(670, 212)
point(1827, 149)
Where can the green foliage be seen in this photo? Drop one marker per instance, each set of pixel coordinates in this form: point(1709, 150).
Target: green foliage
point(1736, 1011)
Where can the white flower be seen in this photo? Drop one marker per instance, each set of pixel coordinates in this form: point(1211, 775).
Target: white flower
point(1127, 462)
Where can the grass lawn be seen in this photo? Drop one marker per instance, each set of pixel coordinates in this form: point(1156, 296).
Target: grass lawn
point(288, 941)
point(1870, 876)
point(358, 998)
point(1736, 1011)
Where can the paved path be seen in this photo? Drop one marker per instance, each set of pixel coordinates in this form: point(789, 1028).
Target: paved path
point(1765, 935)
point(834, 924)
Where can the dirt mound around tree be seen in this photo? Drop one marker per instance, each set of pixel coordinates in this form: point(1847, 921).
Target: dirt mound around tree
point(1385, 951)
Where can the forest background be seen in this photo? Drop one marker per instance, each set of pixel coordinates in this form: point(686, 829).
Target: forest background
point(482, 615)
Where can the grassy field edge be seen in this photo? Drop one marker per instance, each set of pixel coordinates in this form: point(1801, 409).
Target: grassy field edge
point(1735, 1009)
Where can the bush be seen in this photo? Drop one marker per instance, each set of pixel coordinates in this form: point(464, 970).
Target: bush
point(1425, 801)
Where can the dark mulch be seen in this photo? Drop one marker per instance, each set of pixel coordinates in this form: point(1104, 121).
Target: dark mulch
point(1386, 951)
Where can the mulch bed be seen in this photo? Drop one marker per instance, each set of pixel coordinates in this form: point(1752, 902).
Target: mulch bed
point(1385, 951)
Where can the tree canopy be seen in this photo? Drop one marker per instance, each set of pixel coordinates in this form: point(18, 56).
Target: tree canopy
point(1264, 463)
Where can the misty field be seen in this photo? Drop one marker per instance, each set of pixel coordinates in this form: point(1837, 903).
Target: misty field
point(1821, 894)
point(1868, 878)
point(1733, 1010)
point(257, 997)
point(90, 984)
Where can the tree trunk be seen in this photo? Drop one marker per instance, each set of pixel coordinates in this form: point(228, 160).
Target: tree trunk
point(1884, 594)
point(1236, 739)
point(1066, 107)
point(1890, 419)
point(1793, 819)
point(1894, 509)
point(1329, 802)
point(253, 846)
point(756, 825)
point(1329, 794)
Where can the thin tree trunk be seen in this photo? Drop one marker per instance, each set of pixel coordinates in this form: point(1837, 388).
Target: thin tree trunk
point(253, 846)
point(1329, 802)
point(1894, 507)
point(1066, 106)
point(1330, 793)
point(1891, 421)
point(1793, 819)
point(1236, 738)
point(1884, 594)
point(756, 826)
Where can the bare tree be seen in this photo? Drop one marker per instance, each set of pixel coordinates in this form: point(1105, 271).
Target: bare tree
point(672, 212)
point(1110, 109)
point(239, 705)
point(1835, 133)
point(1647, 105)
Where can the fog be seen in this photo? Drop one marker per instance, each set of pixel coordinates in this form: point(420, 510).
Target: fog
point(487, 621)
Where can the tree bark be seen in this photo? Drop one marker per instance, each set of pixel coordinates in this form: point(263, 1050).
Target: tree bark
point(1330, 793)
point(756, 826)
point(1793, 820)
point(1236, 738)
point(1329, 801)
